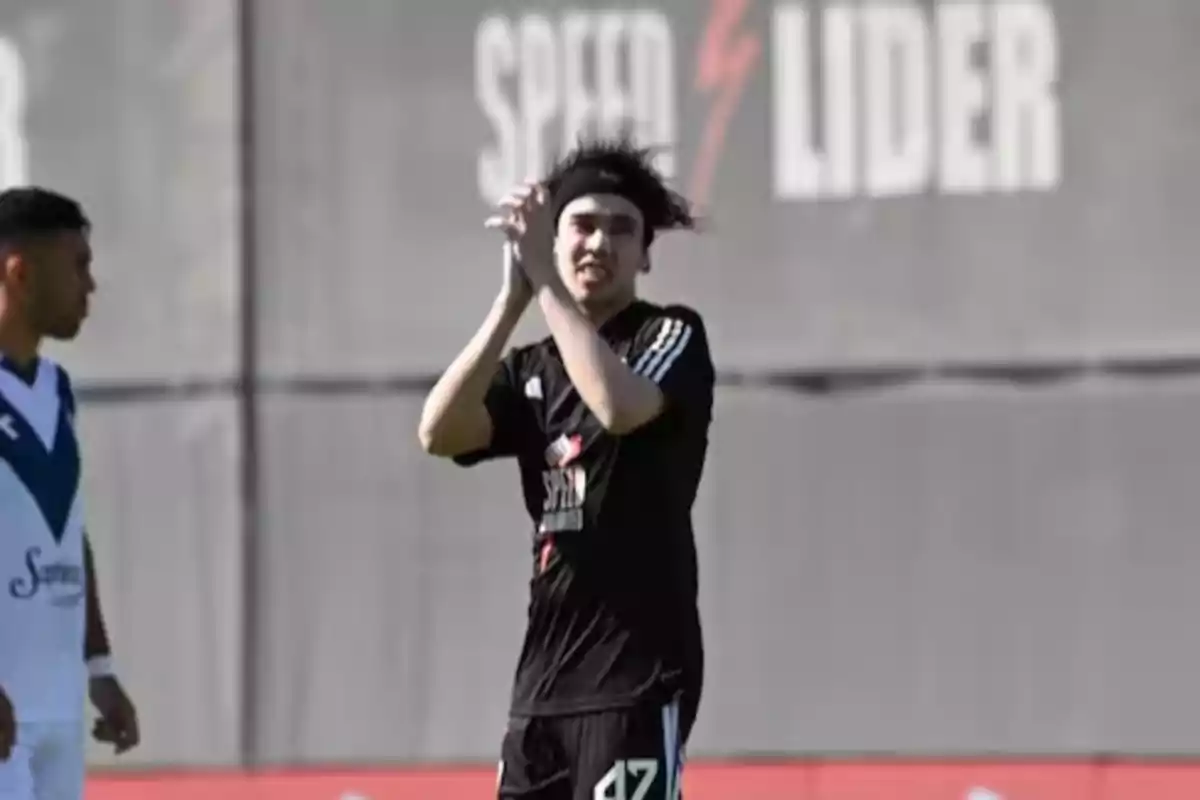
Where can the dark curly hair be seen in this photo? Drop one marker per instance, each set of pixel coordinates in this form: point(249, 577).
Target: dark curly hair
point(662, 208)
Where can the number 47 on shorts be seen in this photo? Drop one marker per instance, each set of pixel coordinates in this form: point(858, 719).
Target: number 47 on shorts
point(632, 779)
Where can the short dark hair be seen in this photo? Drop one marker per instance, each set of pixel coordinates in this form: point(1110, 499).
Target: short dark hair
point(33, 211)
point(662, 208)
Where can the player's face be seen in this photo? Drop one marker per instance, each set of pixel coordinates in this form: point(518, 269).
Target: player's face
point(599, 249)
point(57, 282)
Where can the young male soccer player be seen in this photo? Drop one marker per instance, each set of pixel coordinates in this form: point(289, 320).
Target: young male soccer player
point(608, 420)
point(52, 636)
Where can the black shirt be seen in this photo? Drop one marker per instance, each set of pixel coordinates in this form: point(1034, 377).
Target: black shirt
point(613, 618)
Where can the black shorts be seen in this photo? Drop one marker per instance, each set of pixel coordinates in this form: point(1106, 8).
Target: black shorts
point(625, 754)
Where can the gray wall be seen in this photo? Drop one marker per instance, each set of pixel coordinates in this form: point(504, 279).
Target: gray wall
point(940, 565)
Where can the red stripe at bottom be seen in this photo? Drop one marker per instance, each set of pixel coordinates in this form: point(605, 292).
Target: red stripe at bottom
point(782, 781)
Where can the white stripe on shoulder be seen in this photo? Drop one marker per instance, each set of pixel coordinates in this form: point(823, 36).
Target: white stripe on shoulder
point(664, 349)
point(671, 341)
point(673, 354)
point(650, 353)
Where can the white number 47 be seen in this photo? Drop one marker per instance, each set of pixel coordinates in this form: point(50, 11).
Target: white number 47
point(615, 784)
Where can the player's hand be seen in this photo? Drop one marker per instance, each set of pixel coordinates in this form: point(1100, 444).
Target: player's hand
point(118, 724)
point(8, 726)
point(524, 217)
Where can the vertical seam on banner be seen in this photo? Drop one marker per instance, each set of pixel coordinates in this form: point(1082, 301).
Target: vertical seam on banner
point(249, 457)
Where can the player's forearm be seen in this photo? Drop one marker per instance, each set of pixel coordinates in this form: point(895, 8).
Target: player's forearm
point(95, 644)
point(454, 410)
point(619, 398)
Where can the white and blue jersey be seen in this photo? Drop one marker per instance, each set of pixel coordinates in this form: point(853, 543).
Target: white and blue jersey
point(42, 575)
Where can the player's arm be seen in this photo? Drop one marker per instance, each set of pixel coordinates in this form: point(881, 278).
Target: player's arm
point(623, 397)
point(456, 417)
point(118, 722)
point(620, 399)
point(97, 650)
point(672, 352)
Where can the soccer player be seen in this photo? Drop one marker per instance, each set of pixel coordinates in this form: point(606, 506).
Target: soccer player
point(53, 642)
point(608, 421)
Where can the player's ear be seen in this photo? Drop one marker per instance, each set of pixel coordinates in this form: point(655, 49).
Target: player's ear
point(12, 266)
point(18, 269)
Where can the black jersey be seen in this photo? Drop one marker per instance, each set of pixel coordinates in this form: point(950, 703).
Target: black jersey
point(613, 616)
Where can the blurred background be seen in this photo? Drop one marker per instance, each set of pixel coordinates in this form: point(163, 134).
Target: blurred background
point(949, 276)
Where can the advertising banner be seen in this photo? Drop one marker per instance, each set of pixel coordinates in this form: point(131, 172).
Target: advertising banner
point(902, 182)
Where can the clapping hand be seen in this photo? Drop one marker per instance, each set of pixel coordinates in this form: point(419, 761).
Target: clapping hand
point(525, 219)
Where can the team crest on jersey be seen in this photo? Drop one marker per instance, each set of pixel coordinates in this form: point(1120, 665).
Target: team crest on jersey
point(564, 450)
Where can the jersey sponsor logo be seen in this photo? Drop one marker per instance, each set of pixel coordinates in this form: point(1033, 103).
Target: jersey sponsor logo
point(566, 489)
point(64, 579)
point(565, 486)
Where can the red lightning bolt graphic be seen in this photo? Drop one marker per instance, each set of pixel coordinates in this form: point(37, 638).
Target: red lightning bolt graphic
point(544, 555)
point(725, 59)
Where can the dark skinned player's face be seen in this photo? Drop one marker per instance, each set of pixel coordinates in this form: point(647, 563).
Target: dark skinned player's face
point(54, 281)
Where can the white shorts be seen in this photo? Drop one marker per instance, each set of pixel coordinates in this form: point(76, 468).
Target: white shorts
point(47, 762)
